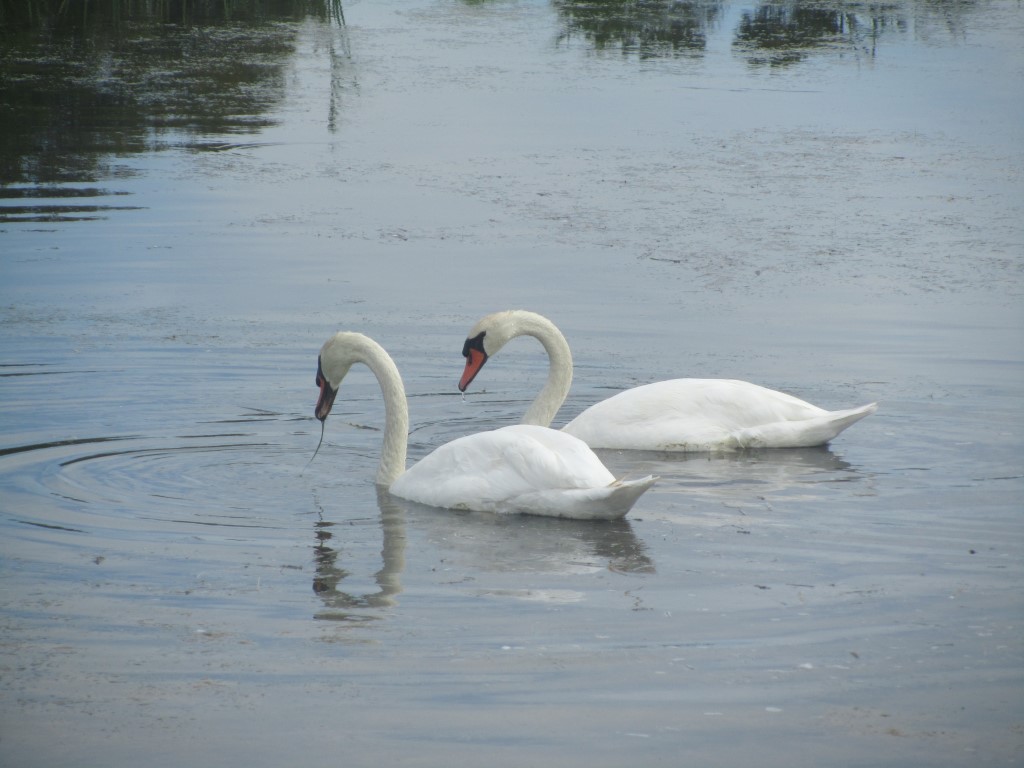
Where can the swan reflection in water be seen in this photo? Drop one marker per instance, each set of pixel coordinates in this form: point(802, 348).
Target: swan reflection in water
point(341, 605)
point(796, 472)
point(474, 541)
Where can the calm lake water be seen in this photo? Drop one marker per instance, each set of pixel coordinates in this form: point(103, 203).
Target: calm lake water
point(824, 199)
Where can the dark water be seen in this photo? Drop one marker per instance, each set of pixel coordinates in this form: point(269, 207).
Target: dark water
point(824, 199)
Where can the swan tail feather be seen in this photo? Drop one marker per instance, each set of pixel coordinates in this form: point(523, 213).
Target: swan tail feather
point(843, 419)
point(610, 502)
point(805, 433)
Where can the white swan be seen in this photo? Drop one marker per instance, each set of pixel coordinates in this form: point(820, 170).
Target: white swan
point(524, 469)
point(674, 415)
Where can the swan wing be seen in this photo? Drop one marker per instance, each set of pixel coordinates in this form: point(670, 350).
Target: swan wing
point(708, 414)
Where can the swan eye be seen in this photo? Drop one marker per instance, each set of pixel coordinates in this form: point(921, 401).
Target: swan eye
point(477, 343)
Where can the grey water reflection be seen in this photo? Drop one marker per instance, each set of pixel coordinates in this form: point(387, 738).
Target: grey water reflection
point(717, 475)
point(82, 95)
point(651, 29)
point(77, 103)
point(778, 35)
point(767, 34)
point(82, 98)
point(341, 605)
point(531, 544)
point(493, 543)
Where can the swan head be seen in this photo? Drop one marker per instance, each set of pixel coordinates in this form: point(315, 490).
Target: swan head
point(489, 335)
point(494, 331)
point(336, 356)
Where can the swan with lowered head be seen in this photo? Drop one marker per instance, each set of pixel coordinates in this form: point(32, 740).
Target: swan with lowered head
point(674, 415)
point(521, 469)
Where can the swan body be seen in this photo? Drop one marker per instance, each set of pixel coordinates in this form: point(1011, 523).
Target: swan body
point(708, 414)
point(523, 469)
point(674, 415)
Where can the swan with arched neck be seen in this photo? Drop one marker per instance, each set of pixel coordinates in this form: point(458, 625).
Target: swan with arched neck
point(524, 469)
point(673, 415)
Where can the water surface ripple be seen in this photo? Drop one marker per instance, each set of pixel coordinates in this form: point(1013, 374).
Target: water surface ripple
point(825, 199)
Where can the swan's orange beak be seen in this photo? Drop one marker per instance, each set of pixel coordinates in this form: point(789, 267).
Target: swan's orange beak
point(327, 394)
point(474, 362)
point(473, 351)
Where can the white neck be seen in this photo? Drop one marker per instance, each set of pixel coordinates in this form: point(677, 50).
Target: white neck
point(396, 417)
point(363, 349)
point(544, 407)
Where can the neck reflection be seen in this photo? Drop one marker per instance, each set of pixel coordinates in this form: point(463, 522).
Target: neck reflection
point(341, 605)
